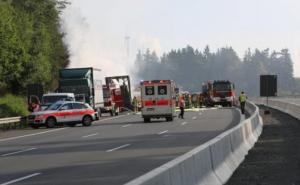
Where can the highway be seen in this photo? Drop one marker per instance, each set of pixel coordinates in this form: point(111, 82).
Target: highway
point(111, 151)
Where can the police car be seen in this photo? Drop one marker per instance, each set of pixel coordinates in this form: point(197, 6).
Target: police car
point(63, 112)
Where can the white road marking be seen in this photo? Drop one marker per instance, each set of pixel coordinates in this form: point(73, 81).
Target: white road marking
point(184, 123)
point(21, 151)
point(20, 179)
point(126, 125)
point(39, 133)
point(114, 149)
point(162, 132)
point(194, 117)
point(116, 117)
point(90, 135)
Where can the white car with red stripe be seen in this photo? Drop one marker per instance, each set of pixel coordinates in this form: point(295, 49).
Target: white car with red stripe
point(158, 99)
point(63, 112)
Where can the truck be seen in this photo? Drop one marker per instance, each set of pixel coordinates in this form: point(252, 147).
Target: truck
point(207, 93)
point(158, 99)
point(224, 93)
point(111, 95)
point(85, 83)
point(121, 88)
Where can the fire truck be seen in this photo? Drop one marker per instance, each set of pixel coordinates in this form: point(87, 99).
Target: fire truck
point(112, 99)
point(158, 99)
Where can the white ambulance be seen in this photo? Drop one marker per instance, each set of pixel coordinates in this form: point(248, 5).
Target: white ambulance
point(158, 99)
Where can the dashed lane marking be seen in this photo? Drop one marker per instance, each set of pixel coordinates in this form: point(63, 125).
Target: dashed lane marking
point(17, 152)
point(184, 123)
point(163, 132)
point(39, 133)
point(117, 148)
point(128, 125)
point(21, 179)
point(91, 135)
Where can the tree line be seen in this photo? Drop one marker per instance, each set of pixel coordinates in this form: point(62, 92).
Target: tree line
point(31, 44)
point(190, 67)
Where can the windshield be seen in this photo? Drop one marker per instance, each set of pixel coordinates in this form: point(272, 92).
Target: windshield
point(222, 86)
point(52, 99)
point(54, 106)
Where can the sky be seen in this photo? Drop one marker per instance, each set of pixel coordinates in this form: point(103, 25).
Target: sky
point(96, 29)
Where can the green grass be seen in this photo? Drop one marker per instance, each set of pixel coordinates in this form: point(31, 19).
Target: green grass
point(11, 106)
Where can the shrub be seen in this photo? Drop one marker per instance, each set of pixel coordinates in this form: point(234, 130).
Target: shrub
point(11, 106)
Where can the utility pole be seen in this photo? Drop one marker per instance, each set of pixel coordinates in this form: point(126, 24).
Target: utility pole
point(127, 47)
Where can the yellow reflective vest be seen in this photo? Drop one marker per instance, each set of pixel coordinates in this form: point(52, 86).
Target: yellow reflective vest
point(242, 98)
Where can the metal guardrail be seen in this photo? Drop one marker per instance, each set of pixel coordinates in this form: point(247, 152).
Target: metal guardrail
point(10, 120)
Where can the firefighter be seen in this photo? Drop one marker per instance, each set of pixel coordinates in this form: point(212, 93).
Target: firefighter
point(135, 104)
point(181, 106)
point(242, 100)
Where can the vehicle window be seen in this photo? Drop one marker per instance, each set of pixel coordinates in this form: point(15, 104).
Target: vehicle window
point(53, 99)
point(67, 106)
point(106, 93)
point(162, 90)
point(54, 106)
point(79, 106)
point(149, 90)
point(222, 86)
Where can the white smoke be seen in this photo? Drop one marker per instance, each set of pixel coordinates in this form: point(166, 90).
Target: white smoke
point(89, 48)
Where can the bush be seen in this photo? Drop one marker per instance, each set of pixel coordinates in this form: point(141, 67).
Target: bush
point(11, 106)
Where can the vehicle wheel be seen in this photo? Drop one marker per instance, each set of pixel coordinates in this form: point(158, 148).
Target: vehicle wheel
point(51, 122)
point(99, 112)
point(169, 118)
point(71, 124)
point(35, 126)
point(87, 121)
point(117, 111)
point(230, 104)
point(146, 120)
point(112, 112)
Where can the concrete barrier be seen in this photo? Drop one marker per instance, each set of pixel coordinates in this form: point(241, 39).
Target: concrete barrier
point(287, 107)
point(211, 163)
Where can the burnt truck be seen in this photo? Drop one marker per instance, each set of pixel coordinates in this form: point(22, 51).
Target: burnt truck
point(118, 90)
point(85, 83)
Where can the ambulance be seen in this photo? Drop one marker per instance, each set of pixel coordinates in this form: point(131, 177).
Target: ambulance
point(158, 99)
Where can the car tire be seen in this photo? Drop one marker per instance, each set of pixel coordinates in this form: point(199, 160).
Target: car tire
point(87, 121)
point(35, 126)
point(51, 122)
point(147, 120)
point(71, 124)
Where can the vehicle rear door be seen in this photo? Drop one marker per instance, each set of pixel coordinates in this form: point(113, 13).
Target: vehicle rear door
point(164, 99)
point(79, 111)
point(148, 99)
point(66, 113)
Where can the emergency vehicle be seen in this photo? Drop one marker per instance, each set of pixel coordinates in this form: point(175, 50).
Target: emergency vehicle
point(63, 112)
point(224, 93)
point(158, 99)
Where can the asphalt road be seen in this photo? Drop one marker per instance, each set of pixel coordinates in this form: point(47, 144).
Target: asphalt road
point(111, 151)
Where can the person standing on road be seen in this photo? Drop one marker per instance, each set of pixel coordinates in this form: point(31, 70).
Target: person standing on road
point(242, 100)
point(135, 104)
point(181, 106)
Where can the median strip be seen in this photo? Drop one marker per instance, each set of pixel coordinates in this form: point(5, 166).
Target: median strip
point(120, 147)
point(20, 179)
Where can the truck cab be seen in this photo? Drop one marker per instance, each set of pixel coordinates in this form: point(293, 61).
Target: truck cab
point(158, 99)
point(224, 93)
